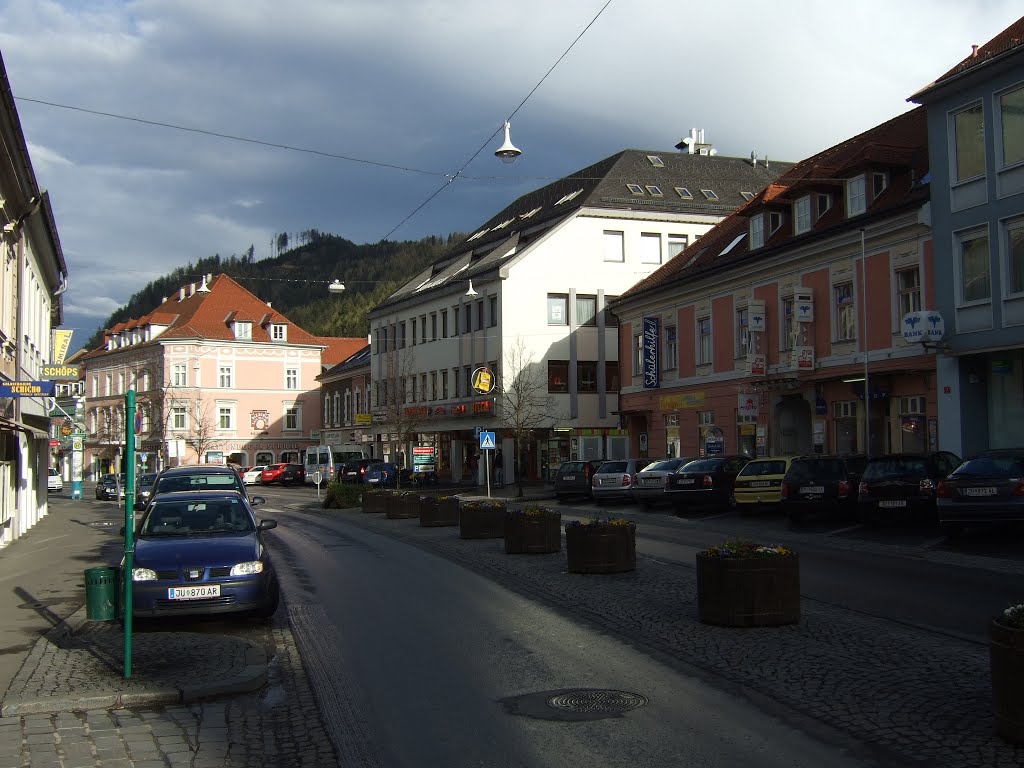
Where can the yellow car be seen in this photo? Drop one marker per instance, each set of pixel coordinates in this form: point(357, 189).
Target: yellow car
point(759, 484)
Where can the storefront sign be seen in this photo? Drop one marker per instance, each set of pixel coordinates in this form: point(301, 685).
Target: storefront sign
point(477, 407)
point(424, 458)
point(482, 381)
point(651, 369)
point(804, 358)
point(920, 327)
point(364, 419)
point(746, 405)
point(62, 372)
point(756, 318)
point(758, 364)
point(803, 309)
point(27, 389)
point(685, 400)
point(61, 344)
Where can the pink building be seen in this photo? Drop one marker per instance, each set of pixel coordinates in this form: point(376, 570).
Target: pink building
point(220, 377)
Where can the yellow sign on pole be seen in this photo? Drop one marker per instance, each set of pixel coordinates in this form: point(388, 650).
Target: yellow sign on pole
point(483, 380)
point(61, 344)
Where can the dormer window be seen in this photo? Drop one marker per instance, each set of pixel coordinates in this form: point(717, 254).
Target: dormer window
point(824, 204)
point(774, 222)
point(757, 231)
point(855, 196)
point(684, 193)
point(802, 215)
point(879, 183)
point(636, 189)
point(243, 330)
point(279, 332)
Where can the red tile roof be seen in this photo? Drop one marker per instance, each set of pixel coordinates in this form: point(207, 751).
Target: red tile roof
point(339, 348)
point(1009, 40)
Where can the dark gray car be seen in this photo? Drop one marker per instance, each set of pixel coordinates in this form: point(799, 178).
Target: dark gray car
point(573, 478)
point(985, 490)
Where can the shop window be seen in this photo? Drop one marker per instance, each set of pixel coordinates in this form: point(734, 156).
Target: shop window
point(558, 375)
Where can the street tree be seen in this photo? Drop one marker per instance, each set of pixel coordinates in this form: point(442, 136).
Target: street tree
point(396, 400)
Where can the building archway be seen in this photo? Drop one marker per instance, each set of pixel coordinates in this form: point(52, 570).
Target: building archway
point(792, 426)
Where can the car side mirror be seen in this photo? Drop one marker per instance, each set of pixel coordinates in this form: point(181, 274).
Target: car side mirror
point(266, 525)
point(257, 500)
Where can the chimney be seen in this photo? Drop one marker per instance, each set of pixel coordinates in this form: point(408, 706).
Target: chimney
point(974, 51)
point(192, 289)
point(268, 304)
point(181, 294)
point(753, 158)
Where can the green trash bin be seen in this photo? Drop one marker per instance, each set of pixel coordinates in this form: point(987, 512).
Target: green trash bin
point(101, 594)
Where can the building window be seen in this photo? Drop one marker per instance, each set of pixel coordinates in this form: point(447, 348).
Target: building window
point(846, 315)
point(802, 215)
point(844, 414)
point(224, 417)
point(243, 330)
point(179, 417)
point(291, 378)
point(1015, 256)
point(677, 244)
point(444, 323)
point(455, 321)
point(856, 202)
point(788, 329)
point(467, 318)
point(908, 283)
point(279, 332)
point(179, 377)
point(638, 354)
point(774, 222)
point(558, 313)
point(1011, 114)
point(742, 331)
point(433, 385)
point(975, 280)
point(412, 324)
point(969, 142)
point(671, 351)
point(433, 326)
point(409, 388)
point(611, 376)
point(423, 387)
point(224, 377)
point(586, 376)
point(704, 341)
point(684, 193)
point(444, 385)
point(650, 248)
point(706, 418)
point(423, 329)
point(492, 311)
point(654, 190)
point(824, 204)
point(610, 320)
point(401, 335)
point(480, 315)
point(636, 189)
point(757, 231)
point(586, 310)
point(558, 376)
point(879, 183)
point(455, 382)
point(291, 418)
point(614, 246)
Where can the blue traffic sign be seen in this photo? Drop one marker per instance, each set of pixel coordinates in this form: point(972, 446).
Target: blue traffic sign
point(486, 441)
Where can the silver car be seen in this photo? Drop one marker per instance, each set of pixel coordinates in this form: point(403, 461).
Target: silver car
point(614, 479)
point(649, 486)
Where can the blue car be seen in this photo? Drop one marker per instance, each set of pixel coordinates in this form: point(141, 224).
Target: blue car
point(201, 552)
point(381, 474)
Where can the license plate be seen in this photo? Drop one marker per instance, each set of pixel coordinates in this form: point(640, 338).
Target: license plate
point(760, 483)
point(685, 481)
point(813, 489)
point(193, 593)
point(892, 503)
point(979, 491)
point(569, 477)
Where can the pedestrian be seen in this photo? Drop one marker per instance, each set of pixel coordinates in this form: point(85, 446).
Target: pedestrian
point(499, 469)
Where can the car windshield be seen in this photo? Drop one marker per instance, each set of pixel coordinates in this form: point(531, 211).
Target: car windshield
point(703, 465)
point(185, 518)
point(992, 466)
point(764, 468)
point(668, 465)
point(147, 479)
point(896, 466)
point(612, 466)
point(816, 470)
point(571, 467)
point(198, 482)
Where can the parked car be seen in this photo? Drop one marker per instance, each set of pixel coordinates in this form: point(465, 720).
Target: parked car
point(573, 478)
point(354, 470)
point(382, 474)
point(201, 477)
point(252, 475)
point(144, 489)
point(54, 482)
point(649, 488)
point(110, 487)
point(759, 483)
point(816, 485)
point(985, 490)
point(285, 474)
point(705, 482)
point(200, 552)
point(614, 479)
point(902, 485)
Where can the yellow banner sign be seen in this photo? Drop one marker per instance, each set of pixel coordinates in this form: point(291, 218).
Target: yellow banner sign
point(685, 400)
point(364, 419)
point(61, 344)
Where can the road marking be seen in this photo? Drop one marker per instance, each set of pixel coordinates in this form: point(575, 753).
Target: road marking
point(854, 527)
point(933, 542)
point(715, 517)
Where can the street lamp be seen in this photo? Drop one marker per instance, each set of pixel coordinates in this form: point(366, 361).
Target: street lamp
point(336, 286)
point(507, 152)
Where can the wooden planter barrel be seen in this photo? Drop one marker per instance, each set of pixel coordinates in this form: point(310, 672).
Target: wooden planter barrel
point(375, 501)
point(482, 520)
point(600, 548)
point(436, 512)
point(1006, 654)
point(536, 534)
point(748, 591)
point(402, 505)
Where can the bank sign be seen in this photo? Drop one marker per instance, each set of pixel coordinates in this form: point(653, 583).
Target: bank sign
point(649, 354)
point(919, 327)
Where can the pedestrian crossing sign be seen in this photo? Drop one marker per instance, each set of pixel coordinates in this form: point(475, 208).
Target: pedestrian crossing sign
point(486, 441)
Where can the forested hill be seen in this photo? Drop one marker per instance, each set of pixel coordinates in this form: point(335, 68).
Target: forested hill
point(295, 281)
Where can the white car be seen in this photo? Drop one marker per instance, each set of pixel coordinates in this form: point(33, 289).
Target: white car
point(252, 475)
point(54, 482)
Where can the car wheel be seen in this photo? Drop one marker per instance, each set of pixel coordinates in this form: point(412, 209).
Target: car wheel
point(270, 608)
point(952, 531)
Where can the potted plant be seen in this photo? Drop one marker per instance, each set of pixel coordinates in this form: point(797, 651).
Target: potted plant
point(402, 504)
point(1006, 655)
point(602, 545)
point(375, 499)
point(533, 530)
point(436, 511)
point(743, 584)
point(482, 519)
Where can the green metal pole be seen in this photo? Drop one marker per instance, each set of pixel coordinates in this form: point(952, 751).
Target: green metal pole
point(129, 527)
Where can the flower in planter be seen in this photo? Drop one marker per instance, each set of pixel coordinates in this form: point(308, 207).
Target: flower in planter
point(1012, 617)
point(405, 495)
point(533, 510)
point(742, 548)
point(601, 522)
point(483, 504)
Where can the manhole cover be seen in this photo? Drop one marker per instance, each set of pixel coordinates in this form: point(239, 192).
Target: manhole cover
point(596, 700)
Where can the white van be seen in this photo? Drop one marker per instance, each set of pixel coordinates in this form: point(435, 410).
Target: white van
point(327, 459)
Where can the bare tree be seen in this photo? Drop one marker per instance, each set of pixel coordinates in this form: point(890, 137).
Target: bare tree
point(396, 399)
point(526, 404)
point(202, 427)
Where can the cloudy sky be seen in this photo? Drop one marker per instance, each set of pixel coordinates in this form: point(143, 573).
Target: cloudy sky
point(384, 101)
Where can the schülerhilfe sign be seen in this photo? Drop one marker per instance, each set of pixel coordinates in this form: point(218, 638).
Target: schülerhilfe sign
point(651, 367)
point(924, 326)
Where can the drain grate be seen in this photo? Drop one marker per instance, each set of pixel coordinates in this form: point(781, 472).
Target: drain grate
point(596, 701)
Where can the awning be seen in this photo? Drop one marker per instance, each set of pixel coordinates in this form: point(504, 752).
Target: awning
point(36, 434)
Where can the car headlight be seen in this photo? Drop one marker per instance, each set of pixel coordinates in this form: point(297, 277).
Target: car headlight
point(247, 569)
point(143, 574)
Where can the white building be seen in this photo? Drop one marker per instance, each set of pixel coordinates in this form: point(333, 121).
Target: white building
point(544, 270)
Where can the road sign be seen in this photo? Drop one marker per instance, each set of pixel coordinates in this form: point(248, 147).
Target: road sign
point(318, 477)
point(643, 441)
point(486, 441)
